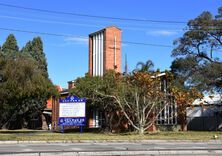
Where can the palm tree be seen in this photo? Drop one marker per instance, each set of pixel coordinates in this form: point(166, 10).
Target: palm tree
point(145, 67)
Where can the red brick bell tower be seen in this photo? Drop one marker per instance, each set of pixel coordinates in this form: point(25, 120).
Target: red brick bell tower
point(105, 51)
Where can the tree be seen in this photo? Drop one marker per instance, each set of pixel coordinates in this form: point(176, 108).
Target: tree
point(184, 99)
point(2, 106)
point(145, 67)
point(202, 39)
point(140, 99)
point(10, 48)
point(86, 86)
point(220, 10)
point(195, 52)
point(34, 48)
point(24, 90)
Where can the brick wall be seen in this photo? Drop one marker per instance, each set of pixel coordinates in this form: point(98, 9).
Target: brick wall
point(108, 57)
point(90, 56)
point(109, 60)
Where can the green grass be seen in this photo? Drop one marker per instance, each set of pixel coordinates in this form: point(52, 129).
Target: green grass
point(22, 135)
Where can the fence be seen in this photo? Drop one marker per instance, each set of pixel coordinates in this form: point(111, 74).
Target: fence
point(213, 123)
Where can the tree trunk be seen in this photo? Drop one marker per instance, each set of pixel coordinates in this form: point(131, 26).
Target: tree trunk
point(184, 127)
point(141, 130)
point(44, 123)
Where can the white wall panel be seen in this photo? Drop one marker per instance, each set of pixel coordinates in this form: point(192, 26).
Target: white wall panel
point(99, 61)
point(102, 51)
point(93, 53)
point(98, 54)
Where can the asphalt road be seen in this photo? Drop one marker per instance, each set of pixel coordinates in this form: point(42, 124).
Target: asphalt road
point(115, 148)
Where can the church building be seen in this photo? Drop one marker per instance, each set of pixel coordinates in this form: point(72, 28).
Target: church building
point(105, 54)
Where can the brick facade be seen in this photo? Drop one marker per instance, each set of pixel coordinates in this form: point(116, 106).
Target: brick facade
point(90, 56)
point(109, 48)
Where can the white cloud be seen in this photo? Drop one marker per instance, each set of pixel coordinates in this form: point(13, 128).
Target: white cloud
point(124, 44)
point(162, 32)
point(68, 41)
point(76, 40)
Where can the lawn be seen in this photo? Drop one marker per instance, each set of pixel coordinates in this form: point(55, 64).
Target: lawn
point(27, 135)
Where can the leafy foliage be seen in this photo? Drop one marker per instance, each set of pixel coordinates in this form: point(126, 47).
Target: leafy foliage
point(184, 98)
point(87, 87)
point(137, 98)
point(34, 48)
point(141, 99)
point(145, 67)
point(195, 52)
point(10, 48)
point(24, 88)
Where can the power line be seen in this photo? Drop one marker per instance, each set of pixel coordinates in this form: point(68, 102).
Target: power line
point(92, 16)
point(93, 25)
point(83, 37)
point(95, 16)
point(80, 24)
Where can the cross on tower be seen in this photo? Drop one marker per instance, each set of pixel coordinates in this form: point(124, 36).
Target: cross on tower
point(115, 48)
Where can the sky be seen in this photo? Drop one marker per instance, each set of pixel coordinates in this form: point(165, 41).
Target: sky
point(67, 56)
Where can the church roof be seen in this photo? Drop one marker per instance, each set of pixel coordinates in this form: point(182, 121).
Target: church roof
point(113, 26)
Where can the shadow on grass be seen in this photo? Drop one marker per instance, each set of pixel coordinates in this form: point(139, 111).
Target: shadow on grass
point(22, 131)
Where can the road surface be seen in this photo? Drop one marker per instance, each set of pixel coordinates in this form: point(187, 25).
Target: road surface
point(114, 148)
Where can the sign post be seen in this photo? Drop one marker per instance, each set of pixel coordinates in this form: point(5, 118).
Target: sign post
point(72, 112)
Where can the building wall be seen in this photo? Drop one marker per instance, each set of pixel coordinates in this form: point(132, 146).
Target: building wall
point(90, 56)
point(206, 113)
point(105, 51)
point(55, 113)
point(207, 118)
point(110, 35)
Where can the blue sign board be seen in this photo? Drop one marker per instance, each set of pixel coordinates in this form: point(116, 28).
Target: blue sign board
point(72, 111)
point(77, 121)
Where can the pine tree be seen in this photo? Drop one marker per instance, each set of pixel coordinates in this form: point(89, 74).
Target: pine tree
point(196, 63)
point(27, 48)
point(35, 49)
point(10, 48)
point(1, 65)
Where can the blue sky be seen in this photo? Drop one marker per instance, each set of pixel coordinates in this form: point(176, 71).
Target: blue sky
point(68, 56)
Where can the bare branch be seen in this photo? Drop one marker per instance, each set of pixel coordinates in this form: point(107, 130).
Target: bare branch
point(154, 119)
point(151, 109)
point(215, 37)
point(120, 105)
point(127, 103)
